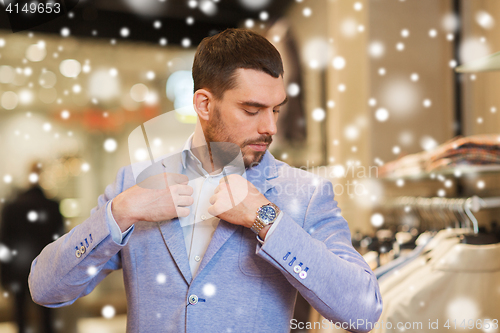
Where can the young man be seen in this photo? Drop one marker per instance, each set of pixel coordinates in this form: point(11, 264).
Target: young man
point(210, 253)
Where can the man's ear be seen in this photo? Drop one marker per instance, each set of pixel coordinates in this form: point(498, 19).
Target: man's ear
point(202, 101)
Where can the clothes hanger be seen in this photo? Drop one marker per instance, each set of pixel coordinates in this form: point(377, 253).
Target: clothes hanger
point(426, 204)
point(452, 209)
point(476, 237)
point(440, 205)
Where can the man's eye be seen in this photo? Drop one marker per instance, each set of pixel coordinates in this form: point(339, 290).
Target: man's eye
point(276, 111)
point(251, 113)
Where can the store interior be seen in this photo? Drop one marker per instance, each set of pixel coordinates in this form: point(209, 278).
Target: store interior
point(394, 101)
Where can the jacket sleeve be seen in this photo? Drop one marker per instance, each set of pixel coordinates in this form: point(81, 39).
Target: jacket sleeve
point(337, 281)
point(73, 265)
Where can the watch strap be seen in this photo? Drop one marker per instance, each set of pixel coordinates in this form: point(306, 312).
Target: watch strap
point(257, 226)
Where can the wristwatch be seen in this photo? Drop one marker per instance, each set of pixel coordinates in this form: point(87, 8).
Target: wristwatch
point(266, 215)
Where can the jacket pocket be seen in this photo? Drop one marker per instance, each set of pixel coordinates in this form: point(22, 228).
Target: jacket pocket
point(251, 264)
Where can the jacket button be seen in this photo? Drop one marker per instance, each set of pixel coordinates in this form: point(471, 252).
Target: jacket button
point(78, 254)
point(82, 249)
point(297, 269)
point(193, 299)
point(303, 274)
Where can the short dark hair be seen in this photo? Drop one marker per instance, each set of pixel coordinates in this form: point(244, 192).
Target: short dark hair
point(218, 57)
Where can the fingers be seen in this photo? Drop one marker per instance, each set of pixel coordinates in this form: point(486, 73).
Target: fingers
point(161, 181)
point(182, 189)
point(182, 211)
point(221, 186)
point(184, 201)
point(176, 178)
point(152, 183)
point(211, 211)
point(217, 208)
point(213, 199)
point(181, 195)
point(224, 183)
point(224, 179)
point(231, 177)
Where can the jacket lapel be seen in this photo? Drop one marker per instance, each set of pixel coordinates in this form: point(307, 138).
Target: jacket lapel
point(171, 230)
point(173, 237)
point(221, 235)
point(260, 177)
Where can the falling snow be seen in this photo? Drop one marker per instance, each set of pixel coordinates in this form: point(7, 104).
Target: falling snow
point(108, 311)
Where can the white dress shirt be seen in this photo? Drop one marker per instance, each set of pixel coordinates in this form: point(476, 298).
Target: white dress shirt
point(199, 226)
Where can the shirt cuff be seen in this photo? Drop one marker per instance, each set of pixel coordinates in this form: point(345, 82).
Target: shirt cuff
point(116, 233)
point(273, 227)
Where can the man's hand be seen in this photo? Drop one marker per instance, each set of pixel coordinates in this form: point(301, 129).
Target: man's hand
point(246, 198)
point(158, 198)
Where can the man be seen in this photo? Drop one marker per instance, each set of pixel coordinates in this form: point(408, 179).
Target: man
point(216, 253)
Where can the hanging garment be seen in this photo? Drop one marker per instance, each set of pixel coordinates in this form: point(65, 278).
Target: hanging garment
point(433, 247)
point(398, 263)
point(404, 258)
point(371, 259)
point(429, 249)
point(456, 284)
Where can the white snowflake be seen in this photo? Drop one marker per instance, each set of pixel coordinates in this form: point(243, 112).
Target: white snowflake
point(108, 311)
point(91, 271)
point(65, 32)
point(209, 290)
point(161, 278)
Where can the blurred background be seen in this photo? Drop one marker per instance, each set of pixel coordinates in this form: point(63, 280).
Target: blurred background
point(376, 106)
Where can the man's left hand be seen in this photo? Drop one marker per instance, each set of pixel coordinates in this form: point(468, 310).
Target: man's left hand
point(236, 200)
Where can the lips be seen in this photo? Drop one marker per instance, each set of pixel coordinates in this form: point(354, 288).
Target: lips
point(258, 146)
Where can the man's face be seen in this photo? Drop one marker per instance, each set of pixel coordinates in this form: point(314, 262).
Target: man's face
point(247, 115)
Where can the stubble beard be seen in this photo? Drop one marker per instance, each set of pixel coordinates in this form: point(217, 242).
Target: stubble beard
point(216, 131)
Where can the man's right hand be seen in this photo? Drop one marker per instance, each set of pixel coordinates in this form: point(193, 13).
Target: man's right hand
point(158, 198)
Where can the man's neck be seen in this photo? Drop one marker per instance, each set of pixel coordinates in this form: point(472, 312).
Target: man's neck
point(202, 152)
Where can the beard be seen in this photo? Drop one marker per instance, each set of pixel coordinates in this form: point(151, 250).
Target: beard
point(217, 131)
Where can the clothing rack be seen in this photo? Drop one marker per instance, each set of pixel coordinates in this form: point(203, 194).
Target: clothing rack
point(457, 205)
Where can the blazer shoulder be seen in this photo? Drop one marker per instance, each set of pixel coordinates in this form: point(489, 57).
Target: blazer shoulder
point(288, 172)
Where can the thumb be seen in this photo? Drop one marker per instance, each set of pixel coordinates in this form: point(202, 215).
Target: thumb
point(211, 210)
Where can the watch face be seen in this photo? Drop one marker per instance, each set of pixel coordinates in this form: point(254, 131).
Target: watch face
point(267, 214)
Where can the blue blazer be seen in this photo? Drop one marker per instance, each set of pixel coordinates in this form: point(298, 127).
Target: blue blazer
point(241, 285)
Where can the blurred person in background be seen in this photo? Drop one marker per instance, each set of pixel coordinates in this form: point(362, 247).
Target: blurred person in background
point(28, 224)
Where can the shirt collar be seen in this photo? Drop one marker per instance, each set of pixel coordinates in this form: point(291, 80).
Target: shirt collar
point(186, 150)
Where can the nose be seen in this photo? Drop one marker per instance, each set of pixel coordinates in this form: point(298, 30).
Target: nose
point(267, 123)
